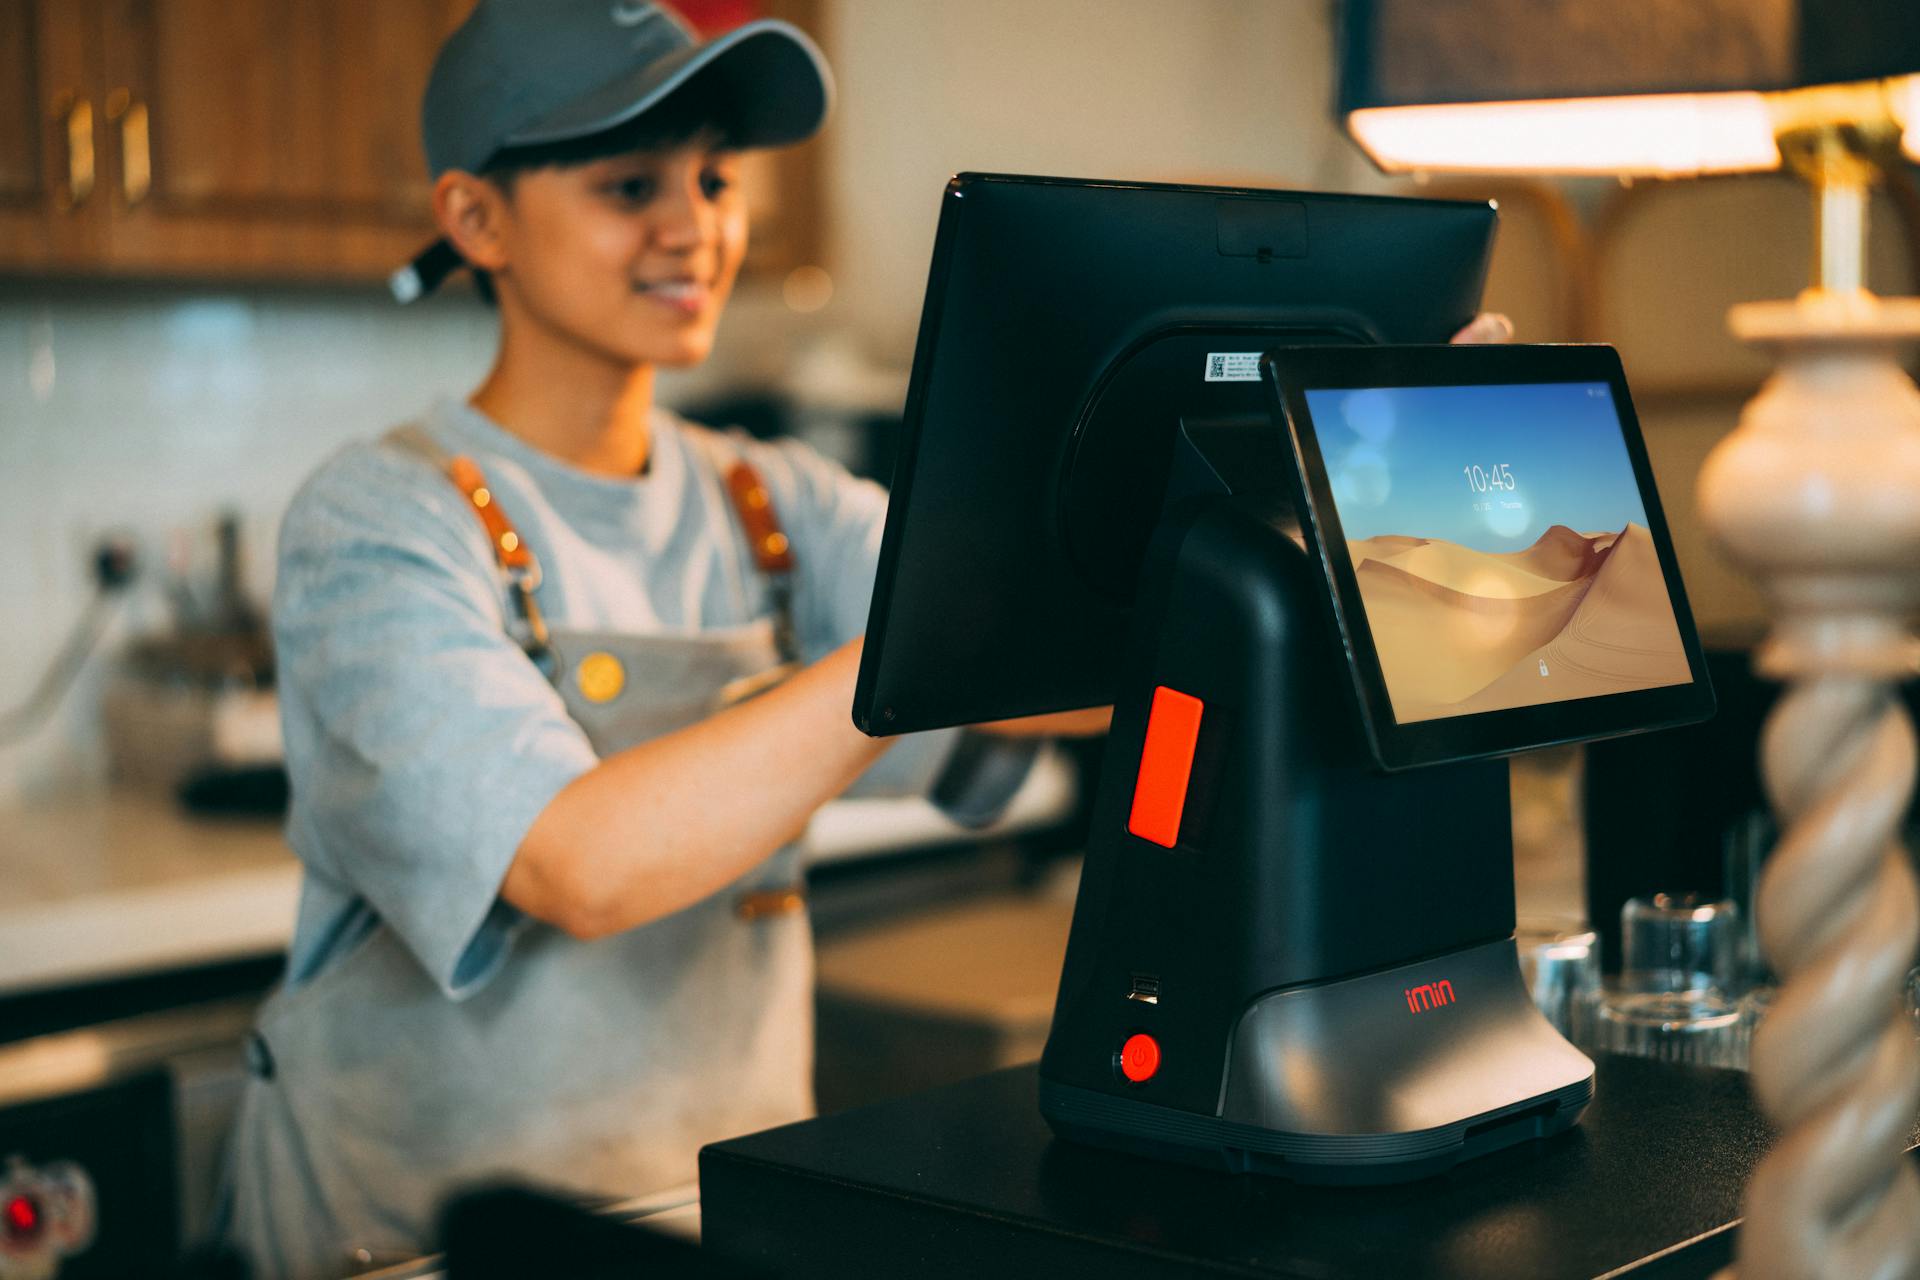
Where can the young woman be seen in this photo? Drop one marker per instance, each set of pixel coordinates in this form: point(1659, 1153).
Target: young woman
point(562, 677)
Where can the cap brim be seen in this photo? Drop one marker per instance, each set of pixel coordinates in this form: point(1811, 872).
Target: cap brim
point(777, 80)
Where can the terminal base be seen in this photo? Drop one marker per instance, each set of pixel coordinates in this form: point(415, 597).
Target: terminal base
point(1388, 1077)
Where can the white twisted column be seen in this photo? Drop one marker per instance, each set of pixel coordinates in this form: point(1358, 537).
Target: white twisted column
point(1817, 494)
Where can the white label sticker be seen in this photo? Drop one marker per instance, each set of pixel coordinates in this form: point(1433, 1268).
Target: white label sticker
point(1233, 366)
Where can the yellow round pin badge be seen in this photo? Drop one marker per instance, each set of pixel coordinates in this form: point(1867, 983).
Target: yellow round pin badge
point(600, 677)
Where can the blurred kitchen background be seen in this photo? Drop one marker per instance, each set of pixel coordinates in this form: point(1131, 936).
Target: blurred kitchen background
point(199, 202)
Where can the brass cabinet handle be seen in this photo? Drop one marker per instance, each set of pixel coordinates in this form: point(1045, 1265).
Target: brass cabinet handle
point(136, 145)
point(77, 114)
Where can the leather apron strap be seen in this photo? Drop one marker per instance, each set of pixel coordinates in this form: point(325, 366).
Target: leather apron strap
point(767, 542)
point(517, 561)
point(771, 549)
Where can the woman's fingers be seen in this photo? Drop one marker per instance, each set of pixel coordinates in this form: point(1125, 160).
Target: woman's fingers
point(1488, 326)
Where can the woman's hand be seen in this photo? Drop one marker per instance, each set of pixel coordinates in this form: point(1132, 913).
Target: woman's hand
point(1488, 326)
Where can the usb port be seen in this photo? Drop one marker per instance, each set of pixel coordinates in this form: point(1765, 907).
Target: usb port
point(1146, 989)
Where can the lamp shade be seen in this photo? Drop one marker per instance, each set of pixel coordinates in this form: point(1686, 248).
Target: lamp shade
point(1624, 86)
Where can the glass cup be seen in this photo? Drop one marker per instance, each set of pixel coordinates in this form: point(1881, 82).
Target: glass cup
point(1680, 966)
point(1744, 848)
point(1706, 1029)
point(1679, 942)
point(1560, 963)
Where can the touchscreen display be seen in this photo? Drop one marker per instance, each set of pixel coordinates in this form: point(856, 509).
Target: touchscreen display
point(1500, 545)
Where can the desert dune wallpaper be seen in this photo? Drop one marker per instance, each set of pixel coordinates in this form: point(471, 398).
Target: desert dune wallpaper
point(1573, 616)
point(1505, 559)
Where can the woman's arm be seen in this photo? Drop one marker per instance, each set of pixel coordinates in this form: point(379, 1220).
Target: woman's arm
point(662, 825)
point(1088, 723)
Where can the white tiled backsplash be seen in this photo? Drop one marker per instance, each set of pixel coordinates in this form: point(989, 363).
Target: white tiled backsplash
point(150, 411)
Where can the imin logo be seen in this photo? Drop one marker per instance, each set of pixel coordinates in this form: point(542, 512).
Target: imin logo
point(1431, 996)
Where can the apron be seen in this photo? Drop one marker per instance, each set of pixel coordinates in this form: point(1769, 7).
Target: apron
point(598, 1068)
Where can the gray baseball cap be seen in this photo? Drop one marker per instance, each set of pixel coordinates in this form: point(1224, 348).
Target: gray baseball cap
point(525, 72)
point(521, 72)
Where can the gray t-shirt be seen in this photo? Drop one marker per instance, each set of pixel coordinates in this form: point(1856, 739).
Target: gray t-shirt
point(421, 739)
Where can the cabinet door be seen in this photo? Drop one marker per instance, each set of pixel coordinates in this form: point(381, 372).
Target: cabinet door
point(50, 199)
point(267, 138)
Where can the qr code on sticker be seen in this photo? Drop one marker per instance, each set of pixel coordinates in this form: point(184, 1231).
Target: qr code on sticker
point(1216, 366)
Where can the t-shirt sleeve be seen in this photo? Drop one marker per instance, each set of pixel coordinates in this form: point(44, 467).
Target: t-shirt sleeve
point(836, 521)
point(422, 742)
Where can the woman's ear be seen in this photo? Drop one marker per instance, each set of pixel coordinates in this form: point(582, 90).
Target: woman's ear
point(470, 211)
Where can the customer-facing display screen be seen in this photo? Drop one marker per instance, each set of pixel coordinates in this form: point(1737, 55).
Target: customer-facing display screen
point(1499, 543)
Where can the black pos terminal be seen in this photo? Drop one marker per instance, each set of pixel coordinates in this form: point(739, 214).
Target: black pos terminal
point(1175, 448)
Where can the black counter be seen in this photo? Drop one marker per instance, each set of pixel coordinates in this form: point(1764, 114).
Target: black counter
point(967, 1181)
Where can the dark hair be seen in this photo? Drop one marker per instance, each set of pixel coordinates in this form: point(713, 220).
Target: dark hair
point(697, 107)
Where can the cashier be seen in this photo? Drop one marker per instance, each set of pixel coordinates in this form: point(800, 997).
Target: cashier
point(563, 677)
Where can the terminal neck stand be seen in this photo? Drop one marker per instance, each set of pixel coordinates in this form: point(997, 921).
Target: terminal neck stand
point(1322, 955)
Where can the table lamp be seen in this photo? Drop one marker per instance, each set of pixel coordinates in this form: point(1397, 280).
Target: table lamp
point(1816, 494)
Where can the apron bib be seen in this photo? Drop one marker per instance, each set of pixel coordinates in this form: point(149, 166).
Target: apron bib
point(598, 1067)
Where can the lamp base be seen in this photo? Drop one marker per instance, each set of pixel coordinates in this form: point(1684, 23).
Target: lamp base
point(1817, 495)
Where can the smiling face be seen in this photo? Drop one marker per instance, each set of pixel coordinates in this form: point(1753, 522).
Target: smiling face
point(631, 257)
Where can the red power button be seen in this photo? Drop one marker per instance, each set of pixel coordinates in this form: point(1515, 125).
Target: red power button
point(21, 1218)
point(1140, 1058)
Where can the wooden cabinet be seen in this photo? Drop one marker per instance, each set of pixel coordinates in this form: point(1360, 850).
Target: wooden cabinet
point(25, 196)
point(259, 139)
point(48, 159)
point(267, 139)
